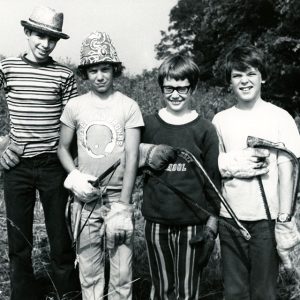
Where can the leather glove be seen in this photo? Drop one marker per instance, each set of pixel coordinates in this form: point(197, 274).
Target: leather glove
point(206, 241)
point(9, 153)
point(79, 184)
point(287, 237)
point(157, 157)
point(246, 163)
point(119, 225)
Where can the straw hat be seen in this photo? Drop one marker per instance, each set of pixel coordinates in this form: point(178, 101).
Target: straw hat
point(97, 48)
point(46, 20)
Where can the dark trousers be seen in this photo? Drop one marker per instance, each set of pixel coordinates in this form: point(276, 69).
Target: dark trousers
point(45, 174)
point(250, 268)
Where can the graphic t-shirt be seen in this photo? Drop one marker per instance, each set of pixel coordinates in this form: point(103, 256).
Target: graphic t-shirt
point(100, 126)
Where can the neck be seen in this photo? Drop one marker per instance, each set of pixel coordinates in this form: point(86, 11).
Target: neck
point(32, 58)
point(103, 96)
point(177, 118)
point(178, 114)
point(248, 105)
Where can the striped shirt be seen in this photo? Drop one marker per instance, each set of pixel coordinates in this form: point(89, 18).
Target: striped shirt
point(36, 95)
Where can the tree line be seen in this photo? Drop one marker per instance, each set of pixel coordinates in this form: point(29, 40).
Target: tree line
point(208, 29)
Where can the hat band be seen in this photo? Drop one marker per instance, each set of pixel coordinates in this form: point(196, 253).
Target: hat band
point(45, 25)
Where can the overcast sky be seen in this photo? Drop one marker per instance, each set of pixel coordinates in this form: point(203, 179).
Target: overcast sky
point(133, 25)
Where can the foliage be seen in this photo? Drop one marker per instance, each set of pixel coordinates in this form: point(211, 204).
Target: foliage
point(208, 29)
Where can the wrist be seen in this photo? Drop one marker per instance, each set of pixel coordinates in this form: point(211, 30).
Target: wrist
point(283, 218)
point(70, 178)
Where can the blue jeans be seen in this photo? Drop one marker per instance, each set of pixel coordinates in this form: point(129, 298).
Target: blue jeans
point(250, 268)
point(45, 174)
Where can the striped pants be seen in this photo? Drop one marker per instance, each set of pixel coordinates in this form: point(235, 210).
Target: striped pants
point(174, 267)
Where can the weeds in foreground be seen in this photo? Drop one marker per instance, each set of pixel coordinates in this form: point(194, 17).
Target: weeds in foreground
point(211, 284)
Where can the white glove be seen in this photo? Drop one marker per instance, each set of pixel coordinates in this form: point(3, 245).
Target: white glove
point(79, 184)
point(287, 237)
point(244, 163)
point(119, 225)
point(9, 152)
point(157, 157)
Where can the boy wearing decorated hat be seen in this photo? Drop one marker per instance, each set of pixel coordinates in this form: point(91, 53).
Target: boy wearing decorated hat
point(107, 124)
point(37, 89)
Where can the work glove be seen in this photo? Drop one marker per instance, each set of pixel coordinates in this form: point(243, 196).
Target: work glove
point(156, 157)
point(80, 185)
point(287, 237)
point(119, 225)
point(206, 241)
point(246, 163)
point(9, 152)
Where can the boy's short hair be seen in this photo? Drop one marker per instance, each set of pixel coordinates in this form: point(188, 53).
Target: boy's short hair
point(179, 67)
point(243, 57)
point(117, 69)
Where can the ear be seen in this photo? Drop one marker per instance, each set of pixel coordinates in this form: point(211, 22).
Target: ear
point(194, 90)
point(27, 31)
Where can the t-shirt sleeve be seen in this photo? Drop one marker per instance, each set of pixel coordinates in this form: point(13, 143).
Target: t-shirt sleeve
point(289, 135)
point(216, 124)
point(2, 77)
point(69, 89)
point(68, 116)
point(134, 116)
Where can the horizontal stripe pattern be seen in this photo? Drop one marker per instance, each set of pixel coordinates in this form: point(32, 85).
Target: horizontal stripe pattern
point(36, 95)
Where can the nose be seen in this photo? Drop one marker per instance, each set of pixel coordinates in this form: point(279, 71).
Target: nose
point(45, 42)
point(99, 76)
point(175, 94)
point(244, 79)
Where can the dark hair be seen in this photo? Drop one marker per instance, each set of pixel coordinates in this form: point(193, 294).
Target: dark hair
point(37, 30)
point(243, 57)
point(179, 67)
point(117, 69)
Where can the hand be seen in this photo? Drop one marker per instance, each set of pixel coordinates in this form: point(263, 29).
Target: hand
point(9, 152)
point(206, 241)
point(287, 237)
point(157, 157)
point(119, 225)
point(161, 156)
point(246, 163)
point(79, 184)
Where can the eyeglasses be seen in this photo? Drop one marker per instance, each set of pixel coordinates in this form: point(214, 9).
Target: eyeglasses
point(182, 90)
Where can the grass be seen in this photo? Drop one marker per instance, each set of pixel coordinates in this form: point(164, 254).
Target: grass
point(211, 284)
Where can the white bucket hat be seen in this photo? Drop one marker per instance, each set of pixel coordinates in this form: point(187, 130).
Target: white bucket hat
point(46, 20)
point(97, 48)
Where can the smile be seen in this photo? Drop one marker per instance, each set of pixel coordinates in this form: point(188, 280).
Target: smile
point(175, 101)
point(246, 89)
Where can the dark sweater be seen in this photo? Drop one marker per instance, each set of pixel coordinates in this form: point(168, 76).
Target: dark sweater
point(161, 204)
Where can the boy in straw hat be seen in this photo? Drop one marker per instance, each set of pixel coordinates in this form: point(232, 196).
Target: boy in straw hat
point(37, 89)
point(107, 124)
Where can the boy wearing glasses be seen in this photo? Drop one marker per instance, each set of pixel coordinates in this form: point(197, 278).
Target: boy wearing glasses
point(171, 223)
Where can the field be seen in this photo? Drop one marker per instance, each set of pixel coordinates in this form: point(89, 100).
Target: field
point(211, 284)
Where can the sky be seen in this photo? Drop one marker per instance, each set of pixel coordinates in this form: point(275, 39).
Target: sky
point(133, 25)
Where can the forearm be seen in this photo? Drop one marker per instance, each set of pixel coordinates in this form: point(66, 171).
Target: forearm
point(132, 138)
point(286, 185)
point(66, 159)
point(129, 177)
